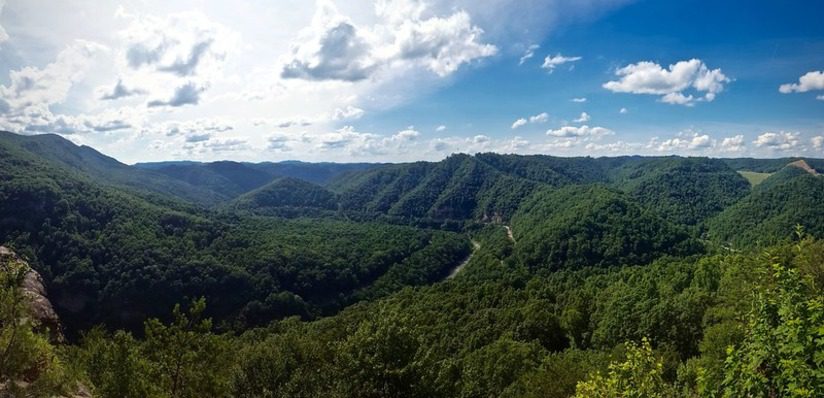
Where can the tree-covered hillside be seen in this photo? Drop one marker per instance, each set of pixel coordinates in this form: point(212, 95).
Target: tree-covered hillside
point(459, 187)
point(283, 193)
point(476, 276)
point(63, 154)
point(102, 249)
point(582, 226)
point(682, 190)
point(785, 199)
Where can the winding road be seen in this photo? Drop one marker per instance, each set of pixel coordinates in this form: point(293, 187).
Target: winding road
point(460, 267)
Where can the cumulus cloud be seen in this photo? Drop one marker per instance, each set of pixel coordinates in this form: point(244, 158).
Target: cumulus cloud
point(671, 83)
point(733, 144)
point(440, 128)
point(198, 137)
point(348, 113)
point(552, 62)
point(25, 102)
point(189, 127)
point(180, 44)
point(780, 141)
point(51, 84)
point(294, 123)
point(580, 131)
point(579, 100)
point(820, 97)
point(614, 147)
point(38, 119)
point(623, 111)
point(119, 91)
point(225, 144)
point(534, 119)
point(187, 94)
point(365, 144)
point(334, 48)
point(818, 142)
point(529, 53)
point(808, 82)
point(539, 118)
point(583, 118)
point(279, 142)
point(685, 141)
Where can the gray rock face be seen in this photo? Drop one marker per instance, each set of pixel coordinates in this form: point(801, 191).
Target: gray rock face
point(40, 307)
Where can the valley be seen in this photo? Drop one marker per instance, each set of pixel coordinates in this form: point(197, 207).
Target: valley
point(478, 275)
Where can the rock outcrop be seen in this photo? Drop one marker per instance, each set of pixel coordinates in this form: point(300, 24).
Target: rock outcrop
point(40, 307)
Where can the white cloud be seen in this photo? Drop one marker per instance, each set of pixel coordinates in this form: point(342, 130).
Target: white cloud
point(733, 144)
point(348, 113)
point(810, 81)
point(534, 119)
point(623, 111)
point(187, 94)
point(539, 118)
point(820, 97)
point(614, 147)
point(529, 53)
point(360, 144)
point(579, 100)
point(118, 91)
point(818, 142)
point(583, 118)
point(518, 123)
point(685, 141)
point(440, 128)
point(552, 62)
point(51, 84)
point(580, 131)
point(25, 103)
point(335, 48)
point(650, 78)
point(781, 141)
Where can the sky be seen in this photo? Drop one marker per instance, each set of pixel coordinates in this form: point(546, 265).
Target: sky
point(407, 80)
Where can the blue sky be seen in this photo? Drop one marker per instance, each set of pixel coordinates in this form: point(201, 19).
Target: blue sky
point(402, 80)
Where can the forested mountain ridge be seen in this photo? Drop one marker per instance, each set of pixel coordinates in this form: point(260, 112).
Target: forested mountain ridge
point(100, 249)
point(84, 160)
point(210, 174)
point(666, 272)
point(792, 196)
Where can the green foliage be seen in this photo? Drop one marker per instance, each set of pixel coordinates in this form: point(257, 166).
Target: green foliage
point(783, 351)
point(180, 359)
point(769, 214)
point(459, 187)
point(188, 361)
point(29, 364)
point(286, 192)
point(592, 226)
point(640, 375)
point(754, 178)
point(684, 190)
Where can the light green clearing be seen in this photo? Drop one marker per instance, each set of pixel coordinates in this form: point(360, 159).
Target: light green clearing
point(753, 177)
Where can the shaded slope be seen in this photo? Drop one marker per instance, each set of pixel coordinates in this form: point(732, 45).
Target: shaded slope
point(229, 179)
point(101, 250)
point(105, 170)
point(459, 187)
point(286, 192)
point(682, 190)
point(770, 213)
point(581, 226)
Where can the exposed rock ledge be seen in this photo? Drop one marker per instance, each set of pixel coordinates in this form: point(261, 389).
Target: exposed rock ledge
point(34, 288)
